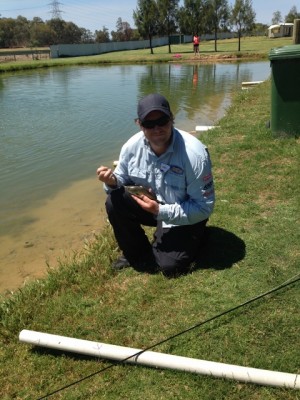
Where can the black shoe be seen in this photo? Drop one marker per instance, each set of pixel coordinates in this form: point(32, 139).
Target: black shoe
point(120, 263)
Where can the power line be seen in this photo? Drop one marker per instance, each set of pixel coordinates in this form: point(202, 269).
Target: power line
point(90, 15)
point(20, 9)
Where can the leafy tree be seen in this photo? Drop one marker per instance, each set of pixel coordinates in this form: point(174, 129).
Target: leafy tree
point(22, 32)
point(218, 15)
point(293, 14)
point(243, 17)
point(145, 18)
point(277, 18)
point(102, 36)
point(168, 14)
point(191, 17)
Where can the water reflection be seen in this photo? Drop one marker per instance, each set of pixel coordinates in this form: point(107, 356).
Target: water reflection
point(199, 93)
point(58, 125)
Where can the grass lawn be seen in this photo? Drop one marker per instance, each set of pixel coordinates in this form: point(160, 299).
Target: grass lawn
point(251, 48)
point(253, 247)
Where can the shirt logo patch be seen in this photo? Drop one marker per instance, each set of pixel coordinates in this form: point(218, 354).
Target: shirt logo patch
point(176, 170)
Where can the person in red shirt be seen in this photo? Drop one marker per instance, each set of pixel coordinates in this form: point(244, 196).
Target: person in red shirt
point(196, 42)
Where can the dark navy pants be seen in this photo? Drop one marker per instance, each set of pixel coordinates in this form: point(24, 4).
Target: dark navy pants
point(173, 249)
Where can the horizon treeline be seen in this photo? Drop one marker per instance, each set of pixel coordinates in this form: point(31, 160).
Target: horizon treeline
point(152, 18)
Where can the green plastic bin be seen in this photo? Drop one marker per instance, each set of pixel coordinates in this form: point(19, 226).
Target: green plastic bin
point(285, 90)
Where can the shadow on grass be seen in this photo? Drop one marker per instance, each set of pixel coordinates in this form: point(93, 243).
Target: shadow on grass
point(63, 353)
point(221, 250)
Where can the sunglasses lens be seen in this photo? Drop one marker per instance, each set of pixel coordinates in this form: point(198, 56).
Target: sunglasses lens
point(150, 124)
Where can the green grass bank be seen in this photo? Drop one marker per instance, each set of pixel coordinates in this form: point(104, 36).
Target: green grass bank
point(253, 247)
point(251, 48)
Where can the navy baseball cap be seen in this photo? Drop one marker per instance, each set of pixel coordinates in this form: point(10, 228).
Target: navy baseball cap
point(153, 102)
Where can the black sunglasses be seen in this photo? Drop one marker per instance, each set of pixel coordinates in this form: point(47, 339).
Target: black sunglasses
point(152, 123)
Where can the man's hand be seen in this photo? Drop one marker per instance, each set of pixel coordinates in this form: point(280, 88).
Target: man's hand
point(147, 204)
point(106, 175)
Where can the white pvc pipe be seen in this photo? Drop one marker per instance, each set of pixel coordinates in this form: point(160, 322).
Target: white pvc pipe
point(160, 360)
point(203, 128)
point(253, 83)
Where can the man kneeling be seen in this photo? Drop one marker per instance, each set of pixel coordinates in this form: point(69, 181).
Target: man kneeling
point(175, 169)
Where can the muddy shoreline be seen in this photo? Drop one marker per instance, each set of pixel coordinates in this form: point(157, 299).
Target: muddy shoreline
point(60, 228)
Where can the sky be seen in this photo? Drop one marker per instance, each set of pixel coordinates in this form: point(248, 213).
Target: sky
point(95, 14)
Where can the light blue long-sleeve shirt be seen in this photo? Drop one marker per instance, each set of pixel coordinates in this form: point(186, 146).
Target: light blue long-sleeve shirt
point(181, 178)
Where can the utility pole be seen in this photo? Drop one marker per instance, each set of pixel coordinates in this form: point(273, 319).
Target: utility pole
point(55, 10)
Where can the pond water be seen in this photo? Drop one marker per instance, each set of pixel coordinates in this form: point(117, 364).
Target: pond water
point(58, 125)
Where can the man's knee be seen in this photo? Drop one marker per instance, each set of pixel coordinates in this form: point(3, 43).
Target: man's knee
point(116, 200)
point(171, 266)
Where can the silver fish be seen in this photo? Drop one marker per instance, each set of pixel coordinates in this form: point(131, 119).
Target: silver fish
point(142, 191)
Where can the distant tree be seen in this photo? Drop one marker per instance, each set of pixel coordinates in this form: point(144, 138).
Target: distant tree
point(37, 20)
point(102, 36)
point(136, 35)
point(259, 28)
point(293, 14)
point(65, 32)
point(243, 18)
point(40, 33)
point(7, 29)
point(218, 14)
point(127, 31)
point(167, 17)
point(123, 32)
point(145, 18)
point(87, 36)
point(277, 18)
point(71, 33)
point(21, 31)
point(57, 26)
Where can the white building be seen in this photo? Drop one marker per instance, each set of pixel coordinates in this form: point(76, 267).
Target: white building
point(280, 30)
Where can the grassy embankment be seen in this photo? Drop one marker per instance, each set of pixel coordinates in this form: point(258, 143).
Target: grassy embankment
point(253, 247)
point(251, 48)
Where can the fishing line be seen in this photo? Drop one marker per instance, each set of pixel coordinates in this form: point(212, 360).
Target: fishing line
point(281, 286)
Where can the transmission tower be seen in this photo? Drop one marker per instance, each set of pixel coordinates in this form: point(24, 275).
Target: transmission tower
point(55, 10)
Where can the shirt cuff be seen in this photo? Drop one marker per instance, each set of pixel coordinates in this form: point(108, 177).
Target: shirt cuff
point(163, 213)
